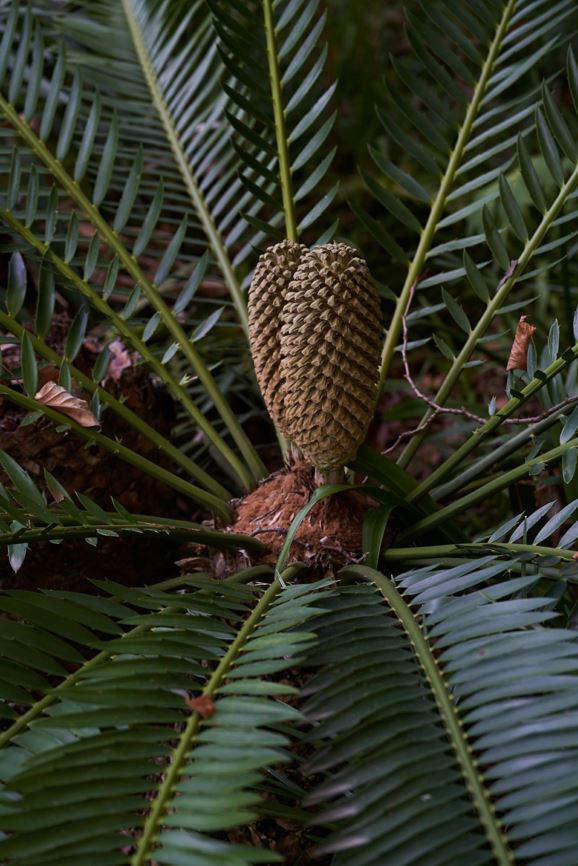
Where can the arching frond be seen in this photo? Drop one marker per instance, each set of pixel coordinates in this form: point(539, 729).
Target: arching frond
point(32, 212)
point(161, 67)
point(27, 516)
point(125, 714)
point(91, 385)
point(445, 743)
point(281, 118)
point(483, 63)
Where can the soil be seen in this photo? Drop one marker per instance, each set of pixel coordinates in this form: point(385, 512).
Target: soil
point(330, 535)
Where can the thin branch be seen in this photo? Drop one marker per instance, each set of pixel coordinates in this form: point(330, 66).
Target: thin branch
point(409, 433)
point(408, 377)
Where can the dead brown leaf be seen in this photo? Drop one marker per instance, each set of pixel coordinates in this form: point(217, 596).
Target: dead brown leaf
point(202, 704)
point(57, 397)
point(518, 359)
point(119, 362)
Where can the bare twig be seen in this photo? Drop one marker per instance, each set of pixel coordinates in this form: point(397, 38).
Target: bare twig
point(533, 419)
point(408, 377)
point(407, 434)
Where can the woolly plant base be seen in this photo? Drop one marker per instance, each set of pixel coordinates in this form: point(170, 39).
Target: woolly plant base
point(330, 535)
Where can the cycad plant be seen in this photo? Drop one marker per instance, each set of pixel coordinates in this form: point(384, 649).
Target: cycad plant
point(161, 163)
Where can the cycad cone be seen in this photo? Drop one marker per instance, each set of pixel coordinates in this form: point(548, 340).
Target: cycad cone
point(316, 333)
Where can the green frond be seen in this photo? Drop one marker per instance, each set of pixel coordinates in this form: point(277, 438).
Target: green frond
point(117, 448)
point(116, 742)
point(91, 385)
point(161, 56)
point(32, 212)
point(52, 264)
point(502, 481)
point(281, 110)
point(441, 742)
point(534, 246)
point(381, 746)
point(464, 143)
point(148, 62)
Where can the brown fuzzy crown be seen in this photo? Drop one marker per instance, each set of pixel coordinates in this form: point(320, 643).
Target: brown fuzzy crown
point(325, 329)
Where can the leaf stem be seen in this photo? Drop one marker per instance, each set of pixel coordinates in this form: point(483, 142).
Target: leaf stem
point(438, 551)
point(150, 525)
point(444, 190)
point(166, 791)
point(131, 337)
point(132, 267)
point(489, 313)
point(210, 501)
point(197, 198)
point(280, 127)
point(452, 722)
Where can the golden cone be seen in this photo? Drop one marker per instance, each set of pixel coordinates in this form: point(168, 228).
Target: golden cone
point(331, 338)
point(269, 285)
point(316, 335)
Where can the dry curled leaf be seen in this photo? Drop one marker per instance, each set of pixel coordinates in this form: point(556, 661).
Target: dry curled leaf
point(202, 704)
point(57, 397)
point(519, 355)
point(120, 360)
